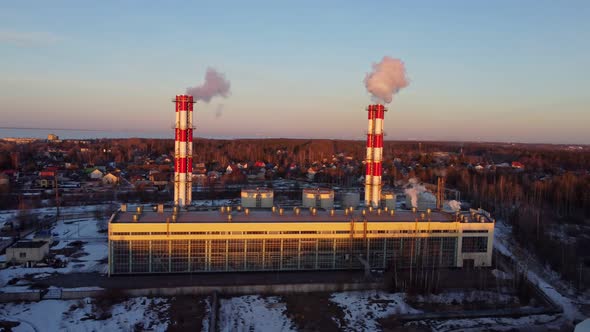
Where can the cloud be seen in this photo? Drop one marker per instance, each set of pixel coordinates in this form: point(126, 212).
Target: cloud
point(28, 38)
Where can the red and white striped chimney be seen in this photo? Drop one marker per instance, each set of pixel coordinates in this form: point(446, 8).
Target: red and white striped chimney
point(183, 150)
point(374, 155)
point(369, 157)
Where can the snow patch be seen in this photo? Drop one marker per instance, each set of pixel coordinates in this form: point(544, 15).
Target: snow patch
point(363, 308)
point(253, 313)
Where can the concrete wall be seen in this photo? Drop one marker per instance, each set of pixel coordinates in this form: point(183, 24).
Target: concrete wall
point(252, 289)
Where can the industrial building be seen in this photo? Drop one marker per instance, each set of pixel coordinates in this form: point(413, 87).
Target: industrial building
point(299, 239)
point(260, 236)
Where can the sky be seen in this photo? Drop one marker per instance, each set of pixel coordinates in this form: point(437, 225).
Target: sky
point(510, 71)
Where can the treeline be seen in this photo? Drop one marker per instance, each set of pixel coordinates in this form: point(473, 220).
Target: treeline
point(549, 214)
point(301, 151)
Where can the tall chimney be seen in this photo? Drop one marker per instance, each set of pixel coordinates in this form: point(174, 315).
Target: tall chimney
point(374, 155)
point(377, 154)
point(183, 138)
point(369, 157)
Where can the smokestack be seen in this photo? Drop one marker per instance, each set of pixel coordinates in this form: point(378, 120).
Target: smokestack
point(369, 157)
point(386, 79)
point(374, 155)
point(183, 149)
point(377, 154)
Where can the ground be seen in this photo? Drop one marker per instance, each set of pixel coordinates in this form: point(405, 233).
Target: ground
point(84, 249)
point(89, 315)
point(77, 242)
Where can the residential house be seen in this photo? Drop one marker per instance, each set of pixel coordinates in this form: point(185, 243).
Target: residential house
point(96, 174)
point(110, 179)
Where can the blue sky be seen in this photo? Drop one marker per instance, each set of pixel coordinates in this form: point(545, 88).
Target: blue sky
point(493, 71)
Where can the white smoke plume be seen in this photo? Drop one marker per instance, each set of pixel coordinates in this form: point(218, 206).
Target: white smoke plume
point(455, 205)
point(215, 85)
point(414, 190)
point(387, 78)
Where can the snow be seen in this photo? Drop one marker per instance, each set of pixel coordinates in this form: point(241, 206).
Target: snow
point(363, 308)
point(536, 272)
point(583, 326)
point(74, 315)
point(83, 228)
point(253, 313)
point(495, 324)
point(206, 316)
point(468, 296)
point(502, 275)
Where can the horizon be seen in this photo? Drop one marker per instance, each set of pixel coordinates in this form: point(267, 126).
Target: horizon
point(298, 71)
point(130, 135)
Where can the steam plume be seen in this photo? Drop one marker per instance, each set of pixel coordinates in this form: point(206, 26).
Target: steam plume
point(215, 85)
point(455, 205)
point(387, 78)
point(414, 190)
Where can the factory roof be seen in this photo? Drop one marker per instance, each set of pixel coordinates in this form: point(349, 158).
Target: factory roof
point(305, 216)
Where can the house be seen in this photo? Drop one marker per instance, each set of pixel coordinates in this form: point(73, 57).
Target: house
point(4, 180)
point(11, 174)
point(96, 174)
point(110, 179)
point(47, 174)
point(27, 252)
point(311, 173)
point(228, 169)
point(517, 165)
point(159, 179)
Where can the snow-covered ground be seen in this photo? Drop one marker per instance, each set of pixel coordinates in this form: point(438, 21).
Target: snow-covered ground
point(548, 281)
point(363, 308)
point(76, 224)
point(78, 315)
point(253, 313)
point(531, 323)
point(456, 297)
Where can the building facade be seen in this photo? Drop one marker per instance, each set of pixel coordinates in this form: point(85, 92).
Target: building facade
point(212, 241)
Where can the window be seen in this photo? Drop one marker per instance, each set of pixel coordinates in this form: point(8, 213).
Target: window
point(22, 254)
point(474, 244)
point(475, 231)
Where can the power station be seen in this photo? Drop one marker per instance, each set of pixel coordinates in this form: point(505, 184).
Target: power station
point(261, 236)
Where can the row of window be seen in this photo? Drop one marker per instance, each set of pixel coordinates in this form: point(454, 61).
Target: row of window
point(278, 254)
point(296, 232)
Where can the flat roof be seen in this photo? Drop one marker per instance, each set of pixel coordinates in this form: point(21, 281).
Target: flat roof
point(267, 216)
point(29, 244)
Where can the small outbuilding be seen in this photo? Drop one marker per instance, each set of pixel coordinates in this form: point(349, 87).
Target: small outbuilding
point(27, 252)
